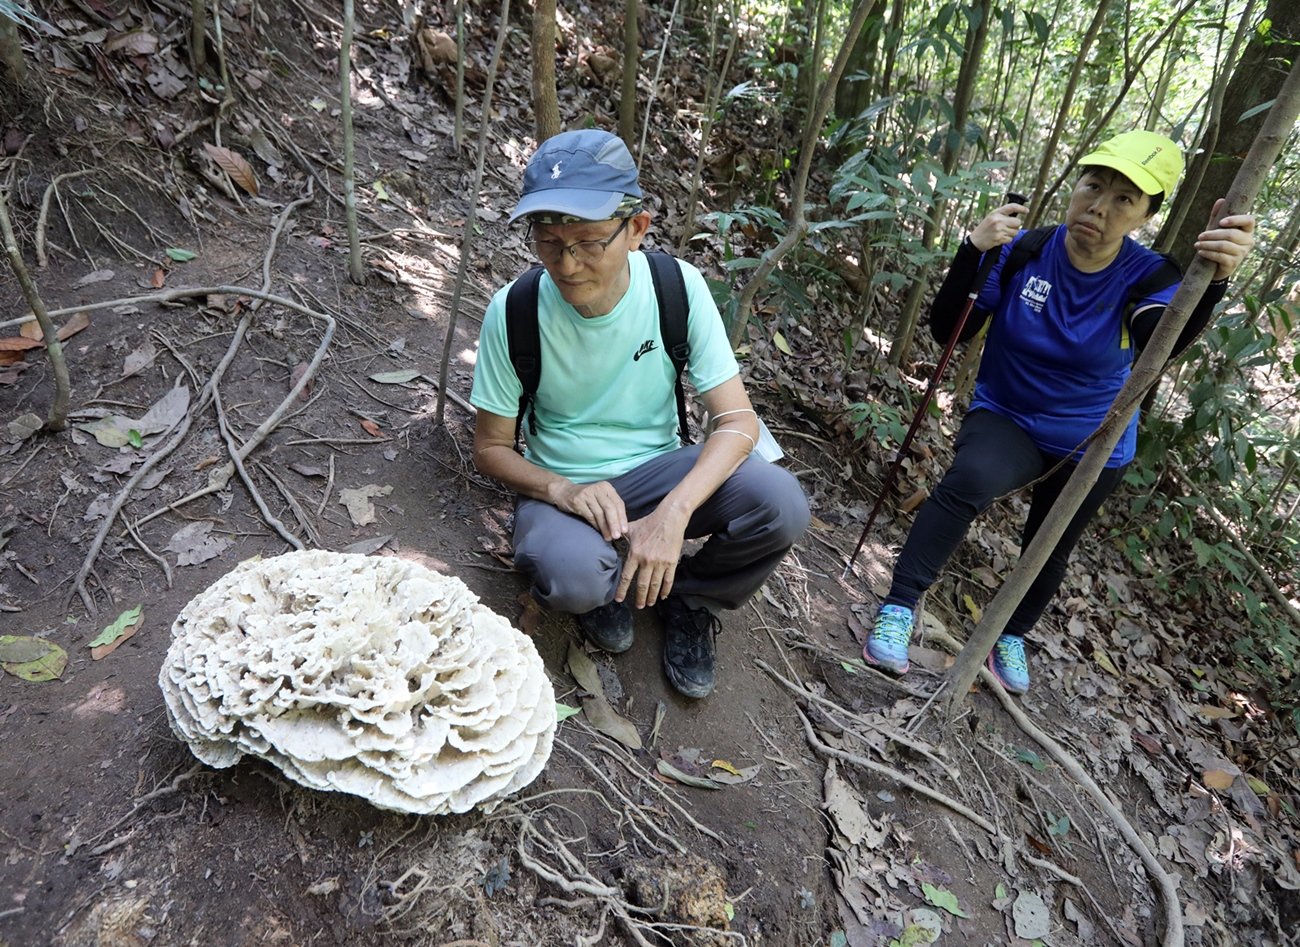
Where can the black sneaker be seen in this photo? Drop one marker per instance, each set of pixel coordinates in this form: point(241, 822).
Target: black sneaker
point(608, 627)
point(689, 647)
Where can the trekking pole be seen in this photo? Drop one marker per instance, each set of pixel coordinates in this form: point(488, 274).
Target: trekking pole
point(981, 276)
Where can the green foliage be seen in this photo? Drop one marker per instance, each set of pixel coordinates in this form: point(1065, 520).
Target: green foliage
point(884, 423)
point(1232, 445)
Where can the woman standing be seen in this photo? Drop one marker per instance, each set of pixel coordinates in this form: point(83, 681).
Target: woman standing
point(1062, 333)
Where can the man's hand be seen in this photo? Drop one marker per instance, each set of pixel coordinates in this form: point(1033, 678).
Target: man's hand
point(597, 503)
point(1226, 241)
point(654, 548)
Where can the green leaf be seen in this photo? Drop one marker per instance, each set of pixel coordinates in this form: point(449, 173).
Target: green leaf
point(1033, 759)
point(381, 192)
point(1000, 890)
point(396, 378)
point(32, 659)
point(114, 631)
point(134, 438)
point(779, 341)
point(1060, 827)
point(848, 666)
point(942, 898)
point(729, 909)
point(839, 939)
point(564, 711)
point(179, 255)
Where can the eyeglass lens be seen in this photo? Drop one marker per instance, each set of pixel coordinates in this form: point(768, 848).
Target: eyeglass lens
point(584, 251)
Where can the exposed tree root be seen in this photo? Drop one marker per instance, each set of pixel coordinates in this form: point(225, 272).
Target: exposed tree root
point(1163, 881)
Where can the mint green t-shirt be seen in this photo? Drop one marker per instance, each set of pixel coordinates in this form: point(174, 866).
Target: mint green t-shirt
point(605, 403)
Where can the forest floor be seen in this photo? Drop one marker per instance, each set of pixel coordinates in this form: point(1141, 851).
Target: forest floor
point(814, 801)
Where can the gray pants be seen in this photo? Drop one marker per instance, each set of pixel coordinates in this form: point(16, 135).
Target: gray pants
point(752, 520)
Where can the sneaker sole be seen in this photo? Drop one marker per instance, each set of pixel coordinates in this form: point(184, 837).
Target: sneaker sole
point(881, 665)
point(688, 689)
point(611, 647)
point(1018, 691)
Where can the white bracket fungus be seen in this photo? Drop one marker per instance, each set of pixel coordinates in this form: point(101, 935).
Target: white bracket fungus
point(369, 675)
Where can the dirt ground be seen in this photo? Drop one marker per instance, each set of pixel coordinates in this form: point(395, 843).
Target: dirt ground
point(115, 837)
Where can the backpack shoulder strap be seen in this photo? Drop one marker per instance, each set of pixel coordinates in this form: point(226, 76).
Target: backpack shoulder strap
point(524, 340)
point(1025, 249)
point(674, 307)
point(1162, 277)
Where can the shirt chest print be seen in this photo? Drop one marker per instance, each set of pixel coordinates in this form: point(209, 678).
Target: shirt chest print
point(1035, 293)
point(647, 346)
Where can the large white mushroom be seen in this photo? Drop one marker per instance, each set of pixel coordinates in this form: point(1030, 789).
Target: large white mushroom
point(369, 675)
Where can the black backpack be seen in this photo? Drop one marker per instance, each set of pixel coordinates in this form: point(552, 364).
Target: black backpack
point(524, 337)
point(1031, 244)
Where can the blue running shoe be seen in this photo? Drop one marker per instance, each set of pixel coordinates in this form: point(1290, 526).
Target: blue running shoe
point(886, 646)
point(1008, 664)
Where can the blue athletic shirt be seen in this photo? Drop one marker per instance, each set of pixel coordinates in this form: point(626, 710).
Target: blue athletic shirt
point(606, 401)
point(1057, 351)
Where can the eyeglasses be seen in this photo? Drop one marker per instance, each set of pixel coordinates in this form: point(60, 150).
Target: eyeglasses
point(552, 252)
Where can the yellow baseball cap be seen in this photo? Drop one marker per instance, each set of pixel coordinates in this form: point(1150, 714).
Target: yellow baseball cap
point(1153, 162)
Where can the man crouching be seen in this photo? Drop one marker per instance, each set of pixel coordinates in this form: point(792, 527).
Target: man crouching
point(604, 461)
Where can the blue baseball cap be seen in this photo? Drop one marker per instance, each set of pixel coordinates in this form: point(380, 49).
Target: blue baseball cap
point(583, 174)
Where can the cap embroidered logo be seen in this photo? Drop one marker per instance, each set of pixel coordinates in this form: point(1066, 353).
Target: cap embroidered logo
point(555, 171)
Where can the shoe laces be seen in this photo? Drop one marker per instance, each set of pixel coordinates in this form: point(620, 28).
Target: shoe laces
point(696, 622)
point(893, 626)
point(1010, 652)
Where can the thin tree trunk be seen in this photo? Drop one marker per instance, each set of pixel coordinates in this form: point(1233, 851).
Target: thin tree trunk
point(631, 64)
point(706, 127)
point(458, 127)
point(1255, 167)
point(1086, 142)
point(1210, 136)
point(952, 148)
point(545, 106)
point(1157, 103)
point(1280, 254)
point(798, 223)
point(57, 419)
point(1063, 111)
point(654, 82)
point(1032, 97)
point(356, 269)
point(471, 216)
point(1254, 82)
point(198, 40)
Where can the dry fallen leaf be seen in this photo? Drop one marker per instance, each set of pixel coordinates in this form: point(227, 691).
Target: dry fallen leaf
point(371, 428)
point(358, 504)
point(235, 165)
point(530, 614)
point(21, 343)
point(1217, 779)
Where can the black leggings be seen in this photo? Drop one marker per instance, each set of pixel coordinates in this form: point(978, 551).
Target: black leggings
point(994, 457)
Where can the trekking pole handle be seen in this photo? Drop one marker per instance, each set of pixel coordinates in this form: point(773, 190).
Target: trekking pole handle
point(990, 257)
